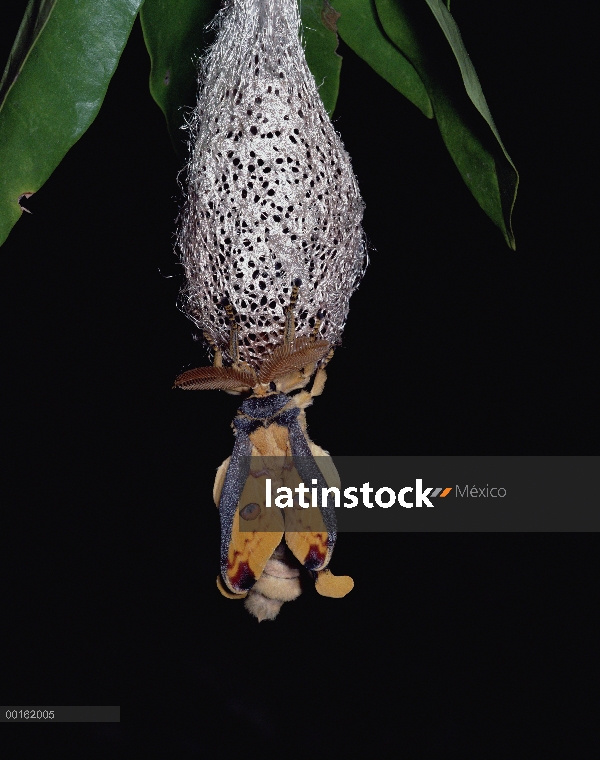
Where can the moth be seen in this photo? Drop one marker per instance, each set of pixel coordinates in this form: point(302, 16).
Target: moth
point(266, 562)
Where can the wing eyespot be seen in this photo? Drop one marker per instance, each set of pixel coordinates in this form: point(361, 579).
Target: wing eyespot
point(250, 511)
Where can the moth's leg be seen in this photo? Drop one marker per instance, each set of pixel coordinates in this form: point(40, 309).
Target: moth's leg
point(319, 383)
point(234, 335)
point(292, 381)
point(301, 400)
point(317, 326)
point(290, 321)
point(234, 341)
point(328, 358)
point(305, 398)
point(218, 356)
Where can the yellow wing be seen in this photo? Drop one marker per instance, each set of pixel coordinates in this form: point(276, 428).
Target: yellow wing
point(255, 534)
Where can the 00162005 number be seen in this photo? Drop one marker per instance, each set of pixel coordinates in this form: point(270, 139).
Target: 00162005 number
point(30, 714)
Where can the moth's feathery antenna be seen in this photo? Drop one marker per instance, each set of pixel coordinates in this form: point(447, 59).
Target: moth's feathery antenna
point(218, 356)
point(290, 322)
point(234, 337)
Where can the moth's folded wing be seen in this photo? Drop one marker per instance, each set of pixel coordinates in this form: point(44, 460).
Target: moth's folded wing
point(256, 532)
point(305, 532)
point(226, 592)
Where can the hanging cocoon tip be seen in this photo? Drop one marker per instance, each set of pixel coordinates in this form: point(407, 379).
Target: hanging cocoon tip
point(271, 195)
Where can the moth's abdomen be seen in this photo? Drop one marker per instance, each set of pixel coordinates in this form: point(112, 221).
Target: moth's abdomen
point(271, 192)
point(279, 583)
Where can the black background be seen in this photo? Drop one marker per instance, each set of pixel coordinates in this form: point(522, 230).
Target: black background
point(465, 644)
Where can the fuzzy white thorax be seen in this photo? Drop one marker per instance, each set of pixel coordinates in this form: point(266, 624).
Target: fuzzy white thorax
point(271, 193)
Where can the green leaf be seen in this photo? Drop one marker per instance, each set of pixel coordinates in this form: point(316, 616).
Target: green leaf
point(361, 30)
point(176, 37)
point(36, 15)
point(430, 39)
point(467, 70)
point(175, 34)
point(57, 76)
point(320, 35)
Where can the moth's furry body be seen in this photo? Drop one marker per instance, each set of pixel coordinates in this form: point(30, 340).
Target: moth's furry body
point(279, 583)
point(265, 566)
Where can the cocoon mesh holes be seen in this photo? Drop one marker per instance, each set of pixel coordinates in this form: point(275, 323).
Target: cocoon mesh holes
point(271, 194)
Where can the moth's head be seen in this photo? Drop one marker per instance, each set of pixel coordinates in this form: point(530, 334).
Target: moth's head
point(265, 389)
point(291, 381)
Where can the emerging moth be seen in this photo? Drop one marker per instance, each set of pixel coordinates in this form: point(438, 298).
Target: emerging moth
point(264, 565)
point(272, 247)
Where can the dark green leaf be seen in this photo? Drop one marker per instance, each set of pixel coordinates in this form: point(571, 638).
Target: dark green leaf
point(36, 15)
point(176, 35)
point(319, 26)
point(63, 60)
point(429, 38)
point(467, 70)
point(361, 30)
